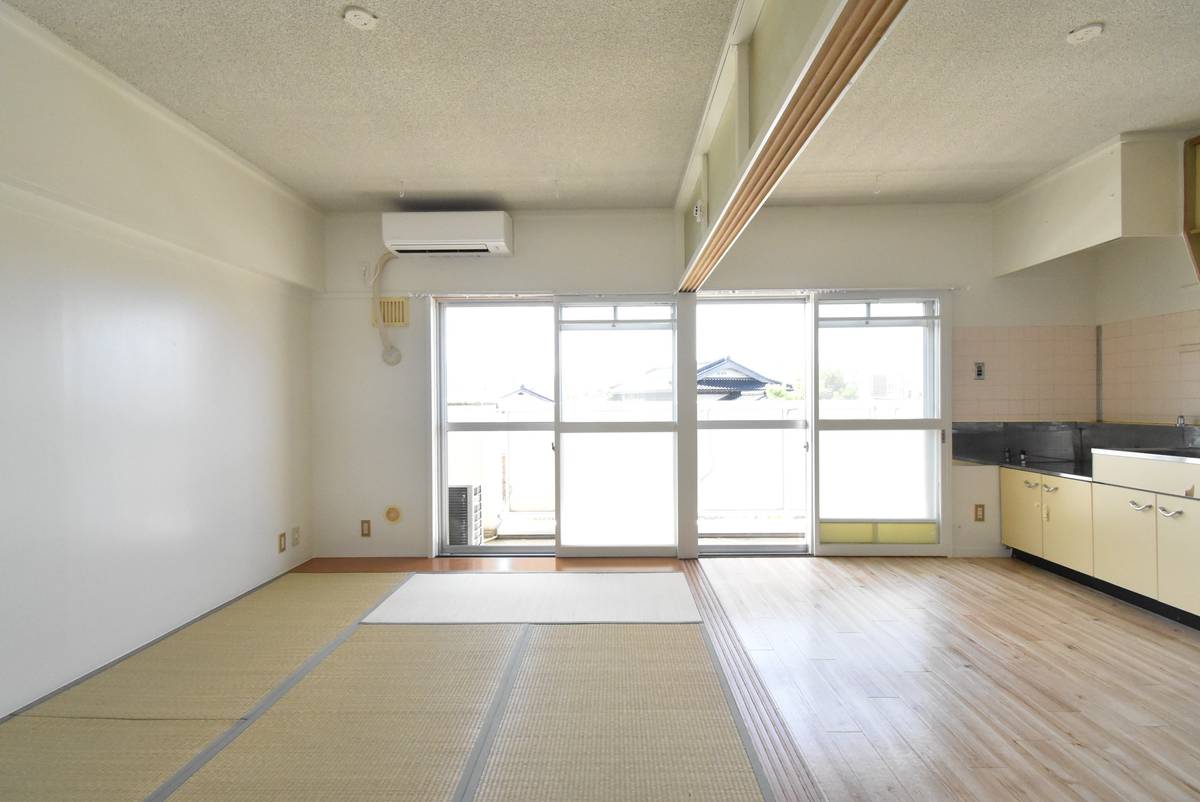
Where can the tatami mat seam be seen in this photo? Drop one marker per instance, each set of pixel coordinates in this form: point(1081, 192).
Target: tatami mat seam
point(274, 695)
point(477, 760)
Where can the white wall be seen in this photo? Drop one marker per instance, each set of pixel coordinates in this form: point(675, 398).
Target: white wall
point(906, 246)
point(372, 424)
point(1067, 210)
point(1144, 276)
point(976, 484)
point(74, 132)
point(154, 384)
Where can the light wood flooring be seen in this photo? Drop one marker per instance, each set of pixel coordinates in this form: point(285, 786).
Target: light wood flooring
point(934, 679)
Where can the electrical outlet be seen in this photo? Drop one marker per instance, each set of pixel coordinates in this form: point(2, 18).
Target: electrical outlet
point(295, 536)
point(979, 513)
point(282, 542)
point(364, 528)
point(980, 371)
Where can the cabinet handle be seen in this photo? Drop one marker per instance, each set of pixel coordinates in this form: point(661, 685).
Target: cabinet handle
point(1141, 508)
point(1030, 485)
point(1050, 489)
point(1164, 512)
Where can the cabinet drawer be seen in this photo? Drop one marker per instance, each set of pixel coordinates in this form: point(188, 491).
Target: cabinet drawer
point(1179, 552)
point(1125, 548)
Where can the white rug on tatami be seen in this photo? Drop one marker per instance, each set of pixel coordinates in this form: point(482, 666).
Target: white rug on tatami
point(540, 598)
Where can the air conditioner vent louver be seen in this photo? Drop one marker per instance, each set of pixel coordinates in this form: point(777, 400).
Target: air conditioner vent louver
point(465, 515)
point(431, 249)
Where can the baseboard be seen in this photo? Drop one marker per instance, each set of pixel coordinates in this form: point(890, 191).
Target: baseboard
point(1136, 599)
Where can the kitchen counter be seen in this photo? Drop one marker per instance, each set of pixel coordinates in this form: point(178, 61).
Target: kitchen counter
point(1067, 469)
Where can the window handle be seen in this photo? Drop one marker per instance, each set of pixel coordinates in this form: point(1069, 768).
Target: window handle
point(1139, 507)
point(1164, 512)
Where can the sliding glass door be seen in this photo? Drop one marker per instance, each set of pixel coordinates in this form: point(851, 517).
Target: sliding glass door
point(559, 426)
point(616, 427)
point(882, 422)
point(752, 410)
point(498, 487)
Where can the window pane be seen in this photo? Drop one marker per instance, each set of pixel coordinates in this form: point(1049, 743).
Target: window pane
point(836, 309)
point(618, 489)
point(586, 312)
point(752, 481)
point(645, 312)
point(878, 475)
point(874, 373)
point(515, 474)
point(618, 374)
point(899, 309)
point(752, 361)
point(499, 363)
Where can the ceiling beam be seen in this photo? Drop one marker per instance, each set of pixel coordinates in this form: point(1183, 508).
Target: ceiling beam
point(847, 44)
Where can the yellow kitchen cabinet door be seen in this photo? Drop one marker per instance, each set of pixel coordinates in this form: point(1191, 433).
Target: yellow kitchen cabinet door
point(1178, 552)
point(1021, 510)
point(1067, 522)
point(1125, 548)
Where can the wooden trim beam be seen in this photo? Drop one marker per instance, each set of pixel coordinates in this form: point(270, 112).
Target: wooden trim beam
point(1191, 210)
point(852, 38)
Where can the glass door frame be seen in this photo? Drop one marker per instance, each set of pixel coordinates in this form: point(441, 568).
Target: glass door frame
point(562, 427)
point(444, 427)
point(937, 386)
point(752, 297)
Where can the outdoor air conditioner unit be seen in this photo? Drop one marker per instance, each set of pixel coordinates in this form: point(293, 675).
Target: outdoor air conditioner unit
point(465, 520)
point(448, 233)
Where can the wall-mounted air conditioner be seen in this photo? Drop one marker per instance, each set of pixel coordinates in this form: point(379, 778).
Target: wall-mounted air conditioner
point(481, 233)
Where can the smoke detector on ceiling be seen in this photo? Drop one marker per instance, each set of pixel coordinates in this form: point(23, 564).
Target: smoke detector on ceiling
point(1085, 33)
point(360, 18)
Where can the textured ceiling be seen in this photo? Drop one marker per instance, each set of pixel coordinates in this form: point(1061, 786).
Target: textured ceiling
point(968, 99)
point(462, 103)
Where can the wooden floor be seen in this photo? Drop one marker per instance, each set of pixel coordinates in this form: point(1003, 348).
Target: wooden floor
point(933, 679)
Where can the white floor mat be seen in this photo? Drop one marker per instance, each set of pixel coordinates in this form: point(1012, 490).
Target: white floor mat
point(539, 598)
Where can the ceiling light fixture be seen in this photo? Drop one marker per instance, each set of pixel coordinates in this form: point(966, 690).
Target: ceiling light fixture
point(360, 18)
point(1085, 33)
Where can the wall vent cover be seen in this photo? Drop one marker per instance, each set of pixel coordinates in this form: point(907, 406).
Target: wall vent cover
point(392, 311)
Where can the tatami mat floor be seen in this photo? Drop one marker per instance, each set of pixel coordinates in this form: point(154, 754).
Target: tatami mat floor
point(386, 711)
point(120, 734)
point(614, 712)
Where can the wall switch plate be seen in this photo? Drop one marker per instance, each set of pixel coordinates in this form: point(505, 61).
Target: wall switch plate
point(980, 371)
point(364, 528)
point(979, 513)
point(295, 536)
point(282, 542)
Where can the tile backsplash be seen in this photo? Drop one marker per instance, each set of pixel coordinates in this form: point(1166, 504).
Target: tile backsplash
point(1032, 373)
point(1150, 370)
